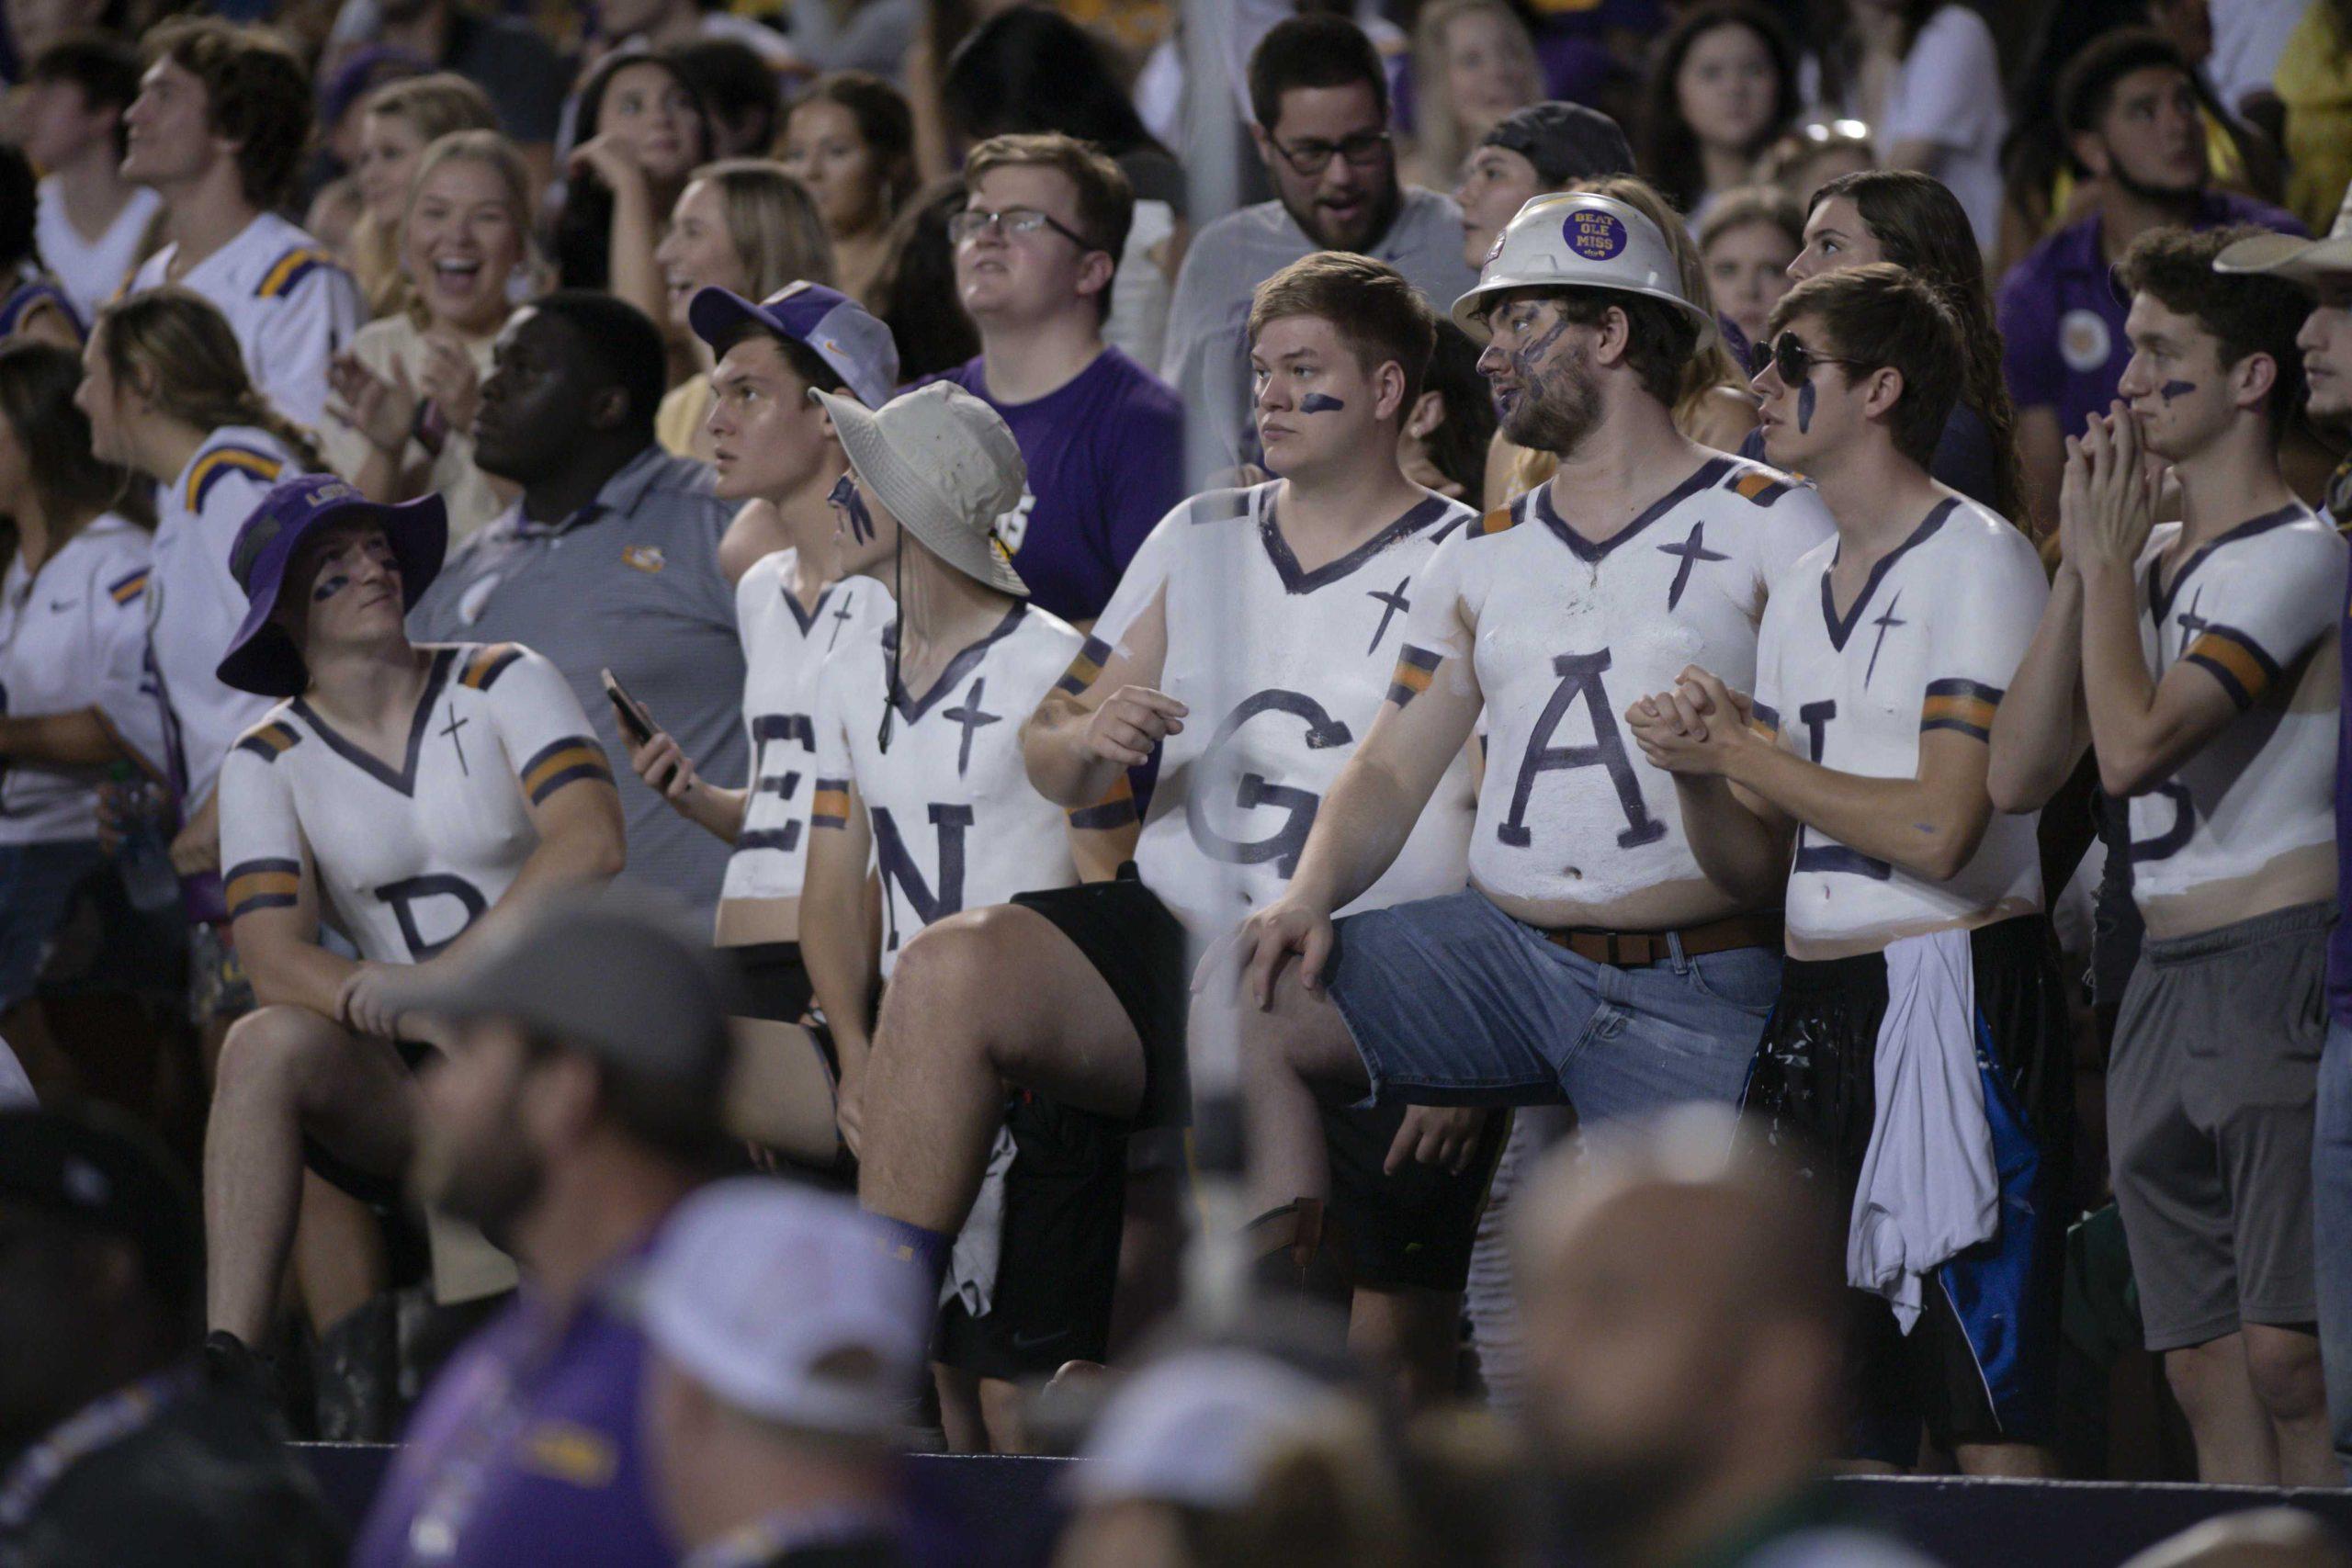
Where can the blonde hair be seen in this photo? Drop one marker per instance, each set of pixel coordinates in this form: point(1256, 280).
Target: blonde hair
point(175, 347)
point(502, 157)
point(1709, 369)
point(772, 222)
point(1437, 128)
point(434, 106)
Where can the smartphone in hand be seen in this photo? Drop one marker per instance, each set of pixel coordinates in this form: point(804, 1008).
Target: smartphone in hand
point(637, 725)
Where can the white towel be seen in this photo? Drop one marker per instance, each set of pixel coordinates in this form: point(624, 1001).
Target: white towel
point(971, 1262)
point(1929, 1188)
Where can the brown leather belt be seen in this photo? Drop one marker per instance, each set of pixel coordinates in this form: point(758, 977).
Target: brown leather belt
point(1634, 950)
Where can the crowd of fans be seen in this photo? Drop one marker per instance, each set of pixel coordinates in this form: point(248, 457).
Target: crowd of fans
point(758, 758)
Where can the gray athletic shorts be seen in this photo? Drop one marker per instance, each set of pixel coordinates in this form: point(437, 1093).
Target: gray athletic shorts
point(2210, 1102)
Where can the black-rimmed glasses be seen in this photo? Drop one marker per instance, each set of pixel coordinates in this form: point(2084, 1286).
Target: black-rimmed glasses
point(1364, 150)
point(971, 223)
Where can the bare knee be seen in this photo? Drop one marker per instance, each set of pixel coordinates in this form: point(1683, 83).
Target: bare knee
point(272, 1053)
point(2200, 1375)
point(2284, 1367)
point(962, 977)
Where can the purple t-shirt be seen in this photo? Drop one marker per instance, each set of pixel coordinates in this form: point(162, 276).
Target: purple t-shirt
point(1106, 463)
point(2062, 323)
point(526, 1450)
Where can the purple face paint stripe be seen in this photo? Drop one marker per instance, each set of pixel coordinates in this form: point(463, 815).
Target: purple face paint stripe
point(328, 587)
point(1320, 402)
point(1804, 408)
point(2172, 389)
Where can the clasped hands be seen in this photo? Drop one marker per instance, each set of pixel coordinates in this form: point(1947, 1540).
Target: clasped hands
point(1699, 729)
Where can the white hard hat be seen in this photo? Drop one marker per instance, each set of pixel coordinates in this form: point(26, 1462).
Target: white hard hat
point(1576, 240)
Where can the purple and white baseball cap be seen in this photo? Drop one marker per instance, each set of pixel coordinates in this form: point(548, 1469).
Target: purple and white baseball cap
point(260, 658)
point(826, 322)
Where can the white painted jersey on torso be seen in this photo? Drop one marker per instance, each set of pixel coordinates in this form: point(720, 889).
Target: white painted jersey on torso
point(956, 823)
point(292, 308)
point(194, 604)
point(1930, 643)
point(783, 650)
point(75, 637)
point(2258, 608)
point(1285, 671)
point(405, 859)
point(1565, 635)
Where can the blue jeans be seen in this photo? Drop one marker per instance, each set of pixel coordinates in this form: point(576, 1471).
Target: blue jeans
point(36, 883)
point(1453, 1003)
point(2331, 1224)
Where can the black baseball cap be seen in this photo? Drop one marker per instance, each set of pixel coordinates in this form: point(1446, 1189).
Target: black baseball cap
point(1564, 141)
point(99, 1172)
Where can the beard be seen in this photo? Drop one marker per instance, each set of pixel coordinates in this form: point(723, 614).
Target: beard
point(1559, 406)
point(487, 1175)
point(1378, 214)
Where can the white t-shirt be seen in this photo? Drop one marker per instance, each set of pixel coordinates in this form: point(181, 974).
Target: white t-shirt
point(783, 650)
point(75, 637)
point(91, 271)
point(1949, 92)
point(1285, 671)
point(194, 606)
point(291, 307)
point(1561, 635)
point(2257, 608)
point(406, 861)
point(1931, 643)
point(956, 823)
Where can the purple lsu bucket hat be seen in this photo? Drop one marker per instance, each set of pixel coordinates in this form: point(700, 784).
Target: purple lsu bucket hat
point(829, 324)
point(261, 657)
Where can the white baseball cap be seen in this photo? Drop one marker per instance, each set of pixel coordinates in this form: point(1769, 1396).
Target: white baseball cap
point(784, 1304)
point(2290, 255)
point(1194, 1429)
point(1578, 240)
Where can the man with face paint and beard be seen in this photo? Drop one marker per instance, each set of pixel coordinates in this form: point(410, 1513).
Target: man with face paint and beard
point(918, 772)
point(415, 799)
point(1285, 603)
point(2198, 661)
point(1919, 1055)
point(1590, 960)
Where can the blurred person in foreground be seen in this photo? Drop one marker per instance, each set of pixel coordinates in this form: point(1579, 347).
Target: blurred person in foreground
point(580, 1103)
point(2259, 1538)
point(1686, 1399)
point(788, 1353)
point(113, 1447)
point(2326, 266)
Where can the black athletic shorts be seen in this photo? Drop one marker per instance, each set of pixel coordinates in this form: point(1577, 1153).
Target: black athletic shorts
point(1126, 934)
point(1057, 1259)
point(1415, 1228)
point(771, 982)
point(1981, 1363)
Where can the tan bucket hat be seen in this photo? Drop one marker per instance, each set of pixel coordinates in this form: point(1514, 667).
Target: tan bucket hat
point(2290, 255)
point(946, 466)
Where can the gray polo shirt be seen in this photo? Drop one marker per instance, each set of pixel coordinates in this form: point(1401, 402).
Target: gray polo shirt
point(1208, 322)
point(631, 583)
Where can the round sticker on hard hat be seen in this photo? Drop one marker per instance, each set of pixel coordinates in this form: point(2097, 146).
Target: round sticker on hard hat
point(1594, 234)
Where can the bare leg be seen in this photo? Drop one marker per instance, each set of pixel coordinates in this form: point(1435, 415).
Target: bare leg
point(1295, 1050)
point(1005, 1408)
point(51, 1071)
point(1414, 1336)
point(338, 1253)
point(2235, 1443)
point(284, 1071)
point(983, 999)
point(960, 1419)
point(2283, 1366)
point(2020, 1462)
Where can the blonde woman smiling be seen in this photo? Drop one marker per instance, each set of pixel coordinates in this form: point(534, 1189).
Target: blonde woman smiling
point(407, 387)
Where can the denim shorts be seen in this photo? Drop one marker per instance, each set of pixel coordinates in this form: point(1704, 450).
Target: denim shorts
point(37, 887)
point(1453, 1003)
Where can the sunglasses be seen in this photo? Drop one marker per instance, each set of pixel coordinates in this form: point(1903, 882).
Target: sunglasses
point(1791, 358)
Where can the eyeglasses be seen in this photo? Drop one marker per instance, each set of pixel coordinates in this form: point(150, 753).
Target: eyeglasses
point(1791, 358)
point(971, 223)
point(1363, 150)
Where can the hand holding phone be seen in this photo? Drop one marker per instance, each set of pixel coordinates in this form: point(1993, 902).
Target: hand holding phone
point(637, 725)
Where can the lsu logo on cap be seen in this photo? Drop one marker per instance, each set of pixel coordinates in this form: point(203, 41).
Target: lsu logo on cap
point(1594, 234)
point(787, 291)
